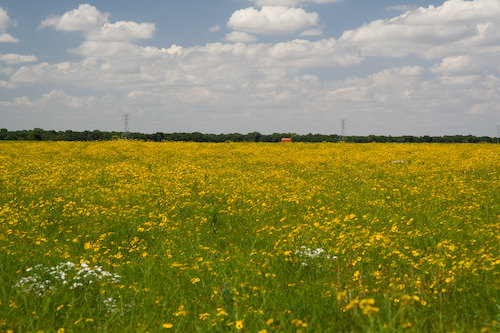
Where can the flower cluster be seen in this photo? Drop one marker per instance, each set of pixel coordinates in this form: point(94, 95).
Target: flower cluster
point(68, 274)
point(306, 254)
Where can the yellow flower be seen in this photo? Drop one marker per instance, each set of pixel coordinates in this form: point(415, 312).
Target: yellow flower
point(180, 311)
point(239, 324)
point(370, 309)
point(221, 312)
point(195, 280)
point(203, 316)
point(366, 302)
point(61, 330)
point(167, 325)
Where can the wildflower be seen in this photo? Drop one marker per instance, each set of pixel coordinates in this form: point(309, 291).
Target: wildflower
point(180, 311)
point(239, 324)
point(203, 316)
point(167, 325)
point(195, 280)
point(221, 312)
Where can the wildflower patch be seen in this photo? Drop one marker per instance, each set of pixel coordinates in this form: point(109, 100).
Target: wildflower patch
point(43, 280)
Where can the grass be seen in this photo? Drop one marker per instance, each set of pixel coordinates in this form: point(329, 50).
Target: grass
point(249, 236)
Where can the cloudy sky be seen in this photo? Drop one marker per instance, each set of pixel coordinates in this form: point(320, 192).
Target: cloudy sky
point(389, 67)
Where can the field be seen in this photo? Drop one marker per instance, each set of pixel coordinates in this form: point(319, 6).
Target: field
point(138, 236)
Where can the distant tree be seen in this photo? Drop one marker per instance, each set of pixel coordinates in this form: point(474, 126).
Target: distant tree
point(4, 133)
point(36, 134)
point(253, 137)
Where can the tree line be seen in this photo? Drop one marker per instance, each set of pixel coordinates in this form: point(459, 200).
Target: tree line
point(38, 134)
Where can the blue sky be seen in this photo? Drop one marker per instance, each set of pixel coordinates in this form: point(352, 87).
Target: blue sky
point(388, 67)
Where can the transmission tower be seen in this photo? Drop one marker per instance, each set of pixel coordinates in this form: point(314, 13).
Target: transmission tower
point(498, 134)
point(342, 136)
point(125, 126)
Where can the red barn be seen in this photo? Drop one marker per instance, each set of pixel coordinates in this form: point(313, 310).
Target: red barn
point(286, 139)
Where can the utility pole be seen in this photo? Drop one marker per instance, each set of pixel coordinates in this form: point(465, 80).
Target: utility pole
point(498, 134)
point(125, 126)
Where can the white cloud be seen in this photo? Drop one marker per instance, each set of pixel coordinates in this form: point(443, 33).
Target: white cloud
point(394, 101)
point(84, 18)
point(214, 28)
point(5, 23)
point(122, 31)
point(12, 58)
point(470, 64)
point(7, 38)
point(290, 3)
point(124, 65)
point(5, 20)
point(312, 32)
point(102, 38)
point(456, 27)
point(54, 97)
point(401, 8)
point(239, 36)
point(272, 20)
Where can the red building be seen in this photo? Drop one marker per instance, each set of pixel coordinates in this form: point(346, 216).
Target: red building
point(286, 140)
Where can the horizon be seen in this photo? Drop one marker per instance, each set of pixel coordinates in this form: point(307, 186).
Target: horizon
point(260, 133)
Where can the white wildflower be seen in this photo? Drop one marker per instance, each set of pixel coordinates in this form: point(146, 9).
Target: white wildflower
point(307, 255)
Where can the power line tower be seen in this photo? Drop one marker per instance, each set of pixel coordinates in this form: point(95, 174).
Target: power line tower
point(342, 135)
point(125, 126)
point(498, 134)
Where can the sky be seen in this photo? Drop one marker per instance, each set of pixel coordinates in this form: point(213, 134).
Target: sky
point(386, 67)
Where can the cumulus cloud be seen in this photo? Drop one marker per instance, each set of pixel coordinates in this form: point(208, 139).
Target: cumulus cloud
point(272, 20)
point(122, 31)
point(457, 26)
point(281, 101)
point(469, 64)
point(52, 98)
point(312, 32)
point(96, 25)
point(12, 58)
point(5, 23)
point(124, 66)
point(83, 18)
point(239, 36)
point(214, 28)
point(7, 38)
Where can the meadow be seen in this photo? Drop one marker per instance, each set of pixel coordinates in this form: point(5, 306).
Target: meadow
point(257, 237)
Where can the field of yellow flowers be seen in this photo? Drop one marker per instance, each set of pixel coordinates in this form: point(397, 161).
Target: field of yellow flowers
point(256, 237)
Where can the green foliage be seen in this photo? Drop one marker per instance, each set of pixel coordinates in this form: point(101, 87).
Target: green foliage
point(96, 135)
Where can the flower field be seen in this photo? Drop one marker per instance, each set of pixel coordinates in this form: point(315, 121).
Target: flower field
point(139, 236)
